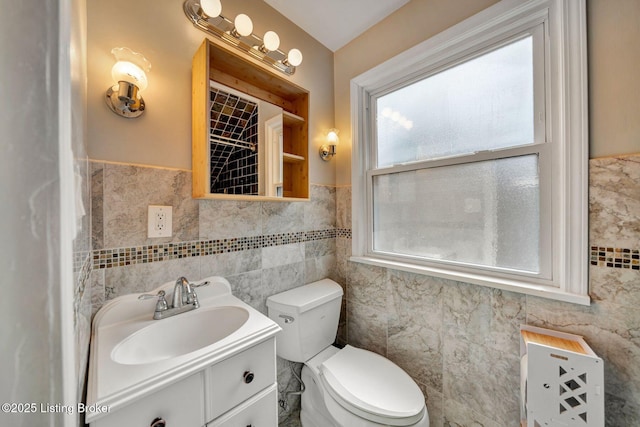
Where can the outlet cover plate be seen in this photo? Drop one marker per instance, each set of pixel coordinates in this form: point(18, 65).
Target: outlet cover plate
point(160, 221)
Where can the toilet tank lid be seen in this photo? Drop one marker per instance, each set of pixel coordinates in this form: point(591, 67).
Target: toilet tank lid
point(305, 297)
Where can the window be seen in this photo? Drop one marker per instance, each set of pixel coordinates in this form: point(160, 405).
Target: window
point(471, 153)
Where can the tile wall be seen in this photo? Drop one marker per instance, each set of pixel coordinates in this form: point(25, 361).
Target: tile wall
point(460, 342)
point(234, 125)
point(262, 248)
point(82, 264)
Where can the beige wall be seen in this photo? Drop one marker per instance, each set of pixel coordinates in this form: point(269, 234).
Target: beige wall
point(614, 60)
point(614, 86)
point(162, 136)
point(160, 30)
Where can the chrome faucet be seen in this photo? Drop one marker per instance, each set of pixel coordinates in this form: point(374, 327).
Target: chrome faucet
point(178, 292)
point(184, 299)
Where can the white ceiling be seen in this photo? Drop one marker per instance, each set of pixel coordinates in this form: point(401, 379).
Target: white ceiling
point(334, 23)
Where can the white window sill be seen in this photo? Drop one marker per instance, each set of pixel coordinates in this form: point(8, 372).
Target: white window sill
point(504, 284)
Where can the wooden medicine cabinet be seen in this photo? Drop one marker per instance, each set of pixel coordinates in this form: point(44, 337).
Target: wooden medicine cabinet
point(250, 137)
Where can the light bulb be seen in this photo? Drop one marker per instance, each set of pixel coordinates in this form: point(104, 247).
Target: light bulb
point(294, 57)
point(124, 71)
point(211, 8)
point(271, 41)
point(130, 67)
point(243, 25)
point(332, 137)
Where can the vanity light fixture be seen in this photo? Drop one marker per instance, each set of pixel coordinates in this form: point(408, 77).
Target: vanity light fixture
point(328, 150)
point(206, 15)
point(129, 73)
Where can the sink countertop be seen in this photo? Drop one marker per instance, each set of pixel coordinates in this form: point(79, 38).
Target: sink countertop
point(116, 385)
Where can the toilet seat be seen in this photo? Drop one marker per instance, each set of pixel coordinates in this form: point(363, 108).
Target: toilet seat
point(372, 387)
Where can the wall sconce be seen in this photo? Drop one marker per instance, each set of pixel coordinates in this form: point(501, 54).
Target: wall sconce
point(328, 150)
point(129, 73)
point(206, 15)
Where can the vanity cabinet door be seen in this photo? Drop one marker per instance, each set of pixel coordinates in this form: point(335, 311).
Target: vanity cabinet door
point(236, 379)
point(179, 405)
point(259, 411)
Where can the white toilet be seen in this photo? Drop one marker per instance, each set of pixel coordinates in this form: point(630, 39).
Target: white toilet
point(347, 387)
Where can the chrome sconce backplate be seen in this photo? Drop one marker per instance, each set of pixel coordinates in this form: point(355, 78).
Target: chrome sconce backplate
point(123, 100)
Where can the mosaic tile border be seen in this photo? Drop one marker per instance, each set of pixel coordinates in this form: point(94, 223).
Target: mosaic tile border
point(607, 256)
point(121, 257)
point(343, 232)
point(601, 256)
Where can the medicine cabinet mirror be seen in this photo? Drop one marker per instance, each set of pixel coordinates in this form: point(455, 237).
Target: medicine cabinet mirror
point(249, 130)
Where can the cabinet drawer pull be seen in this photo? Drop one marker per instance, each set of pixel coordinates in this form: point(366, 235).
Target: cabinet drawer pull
point(248, 376)
point(158, 422)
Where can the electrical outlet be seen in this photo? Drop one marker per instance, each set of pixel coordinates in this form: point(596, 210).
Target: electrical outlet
point(160, 221)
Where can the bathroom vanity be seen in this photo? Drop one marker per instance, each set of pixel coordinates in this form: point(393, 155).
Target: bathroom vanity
point(212, 366)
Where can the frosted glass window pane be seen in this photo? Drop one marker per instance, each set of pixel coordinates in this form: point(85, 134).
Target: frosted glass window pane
point(484, 213)
point(482, 104)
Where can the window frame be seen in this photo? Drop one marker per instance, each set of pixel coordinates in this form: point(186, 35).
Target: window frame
point(564, 173)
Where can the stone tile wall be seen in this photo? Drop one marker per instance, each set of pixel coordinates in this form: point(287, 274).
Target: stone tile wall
point(262, 248)
point(460, 342)
point(82, 303)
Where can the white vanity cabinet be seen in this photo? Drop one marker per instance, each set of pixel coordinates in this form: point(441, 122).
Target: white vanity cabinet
point(260, 410)
point(234, 380)
point(214, 366)
point(179, 404)
point(239, 390)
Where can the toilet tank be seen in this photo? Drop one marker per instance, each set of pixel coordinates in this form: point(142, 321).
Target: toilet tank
point(308, 316)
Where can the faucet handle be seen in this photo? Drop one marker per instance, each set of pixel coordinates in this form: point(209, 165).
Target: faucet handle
point(161, 305)
point(192, 297)
point(197, 285)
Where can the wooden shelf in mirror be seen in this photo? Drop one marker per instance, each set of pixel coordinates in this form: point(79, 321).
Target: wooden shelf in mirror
point(214, 62)
point(291, 119)
point(292, 158)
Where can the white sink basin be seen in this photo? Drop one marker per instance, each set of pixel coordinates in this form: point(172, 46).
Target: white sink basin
point(133, 356)
point(179, 335)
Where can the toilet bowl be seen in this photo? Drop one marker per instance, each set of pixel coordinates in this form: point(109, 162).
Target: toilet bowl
point(348, 387)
